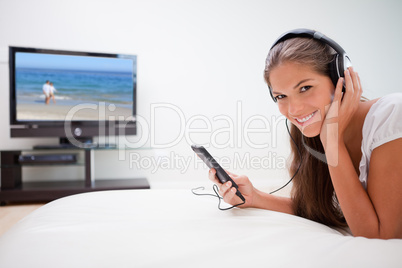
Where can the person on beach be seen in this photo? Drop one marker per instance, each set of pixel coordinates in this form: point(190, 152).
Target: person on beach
point(46, 91)
point(346, 164)
point(52, 90)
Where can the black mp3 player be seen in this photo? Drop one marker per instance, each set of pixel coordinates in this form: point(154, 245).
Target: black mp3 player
point(211, 163)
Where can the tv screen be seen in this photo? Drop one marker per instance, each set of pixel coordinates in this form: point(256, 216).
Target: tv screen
point(50, 87)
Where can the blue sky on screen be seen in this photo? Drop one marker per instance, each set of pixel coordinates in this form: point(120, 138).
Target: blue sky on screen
point(68, 62)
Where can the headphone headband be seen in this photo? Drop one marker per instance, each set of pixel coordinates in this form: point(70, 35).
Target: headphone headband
point(312, 34)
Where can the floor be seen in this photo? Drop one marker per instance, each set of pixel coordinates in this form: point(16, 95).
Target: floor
point(11, 214)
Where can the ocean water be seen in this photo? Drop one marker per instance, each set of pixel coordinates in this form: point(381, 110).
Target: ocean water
point(75, 86)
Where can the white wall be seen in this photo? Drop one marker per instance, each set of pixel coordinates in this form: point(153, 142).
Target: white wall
point(204, 59)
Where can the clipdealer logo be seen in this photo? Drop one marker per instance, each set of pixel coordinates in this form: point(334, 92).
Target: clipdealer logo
point(238, 130)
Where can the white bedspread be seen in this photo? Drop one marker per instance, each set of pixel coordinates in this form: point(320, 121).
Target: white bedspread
point(174, 228)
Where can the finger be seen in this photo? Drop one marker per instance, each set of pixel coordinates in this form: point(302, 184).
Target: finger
point(242, 180)
point(225, 188)
point(230, 174)
point(338, 89)
point(360, 86)
point(230, 196)
point(349, 82)
point(355, 80)
point(357, 85)
point(212, 176)
point(348, 97)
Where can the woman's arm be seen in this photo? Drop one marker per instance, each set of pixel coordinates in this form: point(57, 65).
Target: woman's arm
point(385, 187)
point(375, 213)
point(254, 197)
point(272, 202)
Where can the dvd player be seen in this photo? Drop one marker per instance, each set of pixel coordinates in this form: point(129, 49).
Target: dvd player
point(82, 146)
point(47, 158)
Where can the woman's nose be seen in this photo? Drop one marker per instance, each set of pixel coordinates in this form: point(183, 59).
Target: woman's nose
point(295, 107)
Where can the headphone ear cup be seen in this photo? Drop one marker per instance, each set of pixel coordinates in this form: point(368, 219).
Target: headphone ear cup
point(341, 65)
point(337, 68)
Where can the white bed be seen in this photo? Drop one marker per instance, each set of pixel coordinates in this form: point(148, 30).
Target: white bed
point(174, 228)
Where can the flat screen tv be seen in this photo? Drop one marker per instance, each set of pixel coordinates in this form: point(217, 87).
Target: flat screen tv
point(71, 95)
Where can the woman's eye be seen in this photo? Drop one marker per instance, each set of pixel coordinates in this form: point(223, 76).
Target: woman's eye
point(279, 97)
point(305, 88)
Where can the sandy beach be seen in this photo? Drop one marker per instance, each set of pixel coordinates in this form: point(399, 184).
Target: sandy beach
point(62, 111)
point(87, 94)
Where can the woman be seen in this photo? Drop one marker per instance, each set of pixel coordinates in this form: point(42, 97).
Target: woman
point(358, 182)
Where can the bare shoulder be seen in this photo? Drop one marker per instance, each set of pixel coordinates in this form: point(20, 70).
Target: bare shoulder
point(366, 105)
point(364, 108)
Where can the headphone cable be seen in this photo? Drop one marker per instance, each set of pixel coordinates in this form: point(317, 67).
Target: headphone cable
point(215, 187)
point(301, 159)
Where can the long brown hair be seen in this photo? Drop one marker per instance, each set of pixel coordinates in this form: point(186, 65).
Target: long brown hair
point(313, 195)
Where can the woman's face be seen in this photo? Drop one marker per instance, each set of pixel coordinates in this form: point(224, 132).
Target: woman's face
point(303, 95)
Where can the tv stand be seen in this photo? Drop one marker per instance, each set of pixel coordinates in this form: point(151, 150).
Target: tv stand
point(13, 189)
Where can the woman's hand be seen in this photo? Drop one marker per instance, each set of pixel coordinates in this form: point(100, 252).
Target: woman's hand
point(341, 110)
point(229, 193)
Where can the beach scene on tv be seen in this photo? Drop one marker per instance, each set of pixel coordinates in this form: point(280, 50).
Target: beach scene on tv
point(55, 87)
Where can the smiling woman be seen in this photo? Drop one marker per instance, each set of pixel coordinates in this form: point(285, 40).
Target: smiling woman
point(338, 139)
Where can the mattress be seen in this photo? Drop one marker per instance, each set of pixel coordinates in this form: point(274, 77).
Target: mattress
point(174, 228)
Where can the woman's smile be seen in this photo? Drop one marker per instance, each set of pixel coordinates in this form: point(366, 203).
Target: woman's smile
point(304, 120)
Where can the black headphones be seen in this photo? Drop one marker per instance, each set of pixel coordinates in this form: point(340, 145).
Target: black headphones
point(336, 67)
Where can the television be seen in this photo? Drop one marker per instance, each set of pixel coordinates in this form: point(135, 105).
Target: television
point(72, 95)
